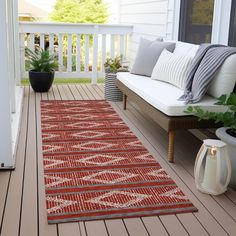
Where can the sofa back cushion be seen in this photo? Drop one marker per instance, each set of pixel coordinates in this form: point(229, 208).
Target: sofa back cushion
point(172, 68)
point(225, 79)
point(148, 54)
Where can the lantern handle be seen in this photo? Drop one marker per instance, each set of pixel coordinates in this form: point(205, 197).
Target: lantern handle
point(197, 158)
point(198, 163)
point(228, 163)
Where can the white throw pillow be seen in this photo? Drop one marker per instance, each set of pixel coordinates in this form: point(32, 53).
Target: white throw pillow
point(186, 49)
point(225, 79)
point(172, 68)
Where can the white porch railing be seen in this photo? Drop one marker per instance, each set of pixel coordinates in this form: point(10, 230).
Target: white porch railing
point(81, 48)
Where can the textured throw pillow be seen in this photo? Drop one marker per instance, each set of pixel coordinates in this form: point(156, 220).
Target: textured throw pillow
point(172, 68)
point(148, 54)
point(225, 79)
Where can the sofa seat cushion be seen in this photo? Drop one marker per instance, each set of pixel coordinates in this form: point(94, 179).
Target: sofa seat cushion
point(163, 96)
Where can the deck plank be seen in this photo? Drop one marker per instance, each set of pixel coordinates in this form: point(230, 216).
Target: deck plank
point(56, 93)
point(231, 194)
point(68, 92)
point(72, 228)
point(75, 92)
point(51, 94)
point(13, 203)
point(96, 228)
point(135, 227)
point(173, 226)
point(154, 225)
point(116, 227)
point(82, 92)
point(29, 212)
point(192, 225)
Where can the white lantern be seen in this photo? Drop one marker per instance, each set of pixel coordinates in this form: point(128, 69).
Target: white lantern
point(212, 170)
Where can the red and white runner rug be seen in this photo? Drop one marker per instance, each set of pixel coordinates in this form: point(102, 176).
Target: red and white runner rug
point(96, 168)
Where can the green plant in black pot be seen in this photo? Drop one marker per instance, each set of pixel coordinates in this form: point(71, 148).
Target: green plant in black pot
point(42, 69)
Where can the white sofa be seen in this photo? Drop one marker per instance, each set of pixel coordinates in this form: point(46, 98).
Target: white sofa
point(160, 99)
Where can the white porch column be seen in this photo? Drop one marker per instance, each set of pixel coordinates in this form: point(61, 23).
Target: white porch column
point(6, 156)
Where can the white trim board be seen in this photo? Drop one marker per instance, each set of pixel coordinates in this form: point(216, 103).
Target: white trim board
point(220, 24)
point(16, 122)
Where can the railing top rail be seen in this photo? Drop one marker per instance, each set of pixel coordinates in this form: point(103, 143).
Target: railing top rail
point(51, 27)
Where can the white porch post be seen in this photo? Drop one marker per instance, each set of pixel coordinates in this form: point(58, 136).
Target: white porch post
point(6, 155)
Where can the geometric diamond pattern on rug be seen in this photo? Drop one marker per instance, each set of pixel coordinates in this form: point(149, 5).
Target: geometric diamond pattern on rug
point(54, 181)
point(174, 193)
point(159, 173)
point(103, 159)
point(58, 203)
point(118, 176)
point(129, 199)
point(96, 168)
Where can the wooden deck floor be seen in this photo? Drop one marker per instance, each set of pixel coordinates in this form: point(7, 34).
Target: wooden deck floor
point(22, 199)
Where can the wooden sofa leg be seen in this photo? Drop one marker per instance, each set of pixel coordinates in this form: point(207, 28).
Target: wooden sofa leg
point(124, 101)
point(171, 146)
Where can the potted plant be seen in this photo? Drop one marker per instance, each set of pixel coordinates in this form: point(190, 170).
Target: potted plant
point(227, 133)
point(112, 66)
point(41, 74)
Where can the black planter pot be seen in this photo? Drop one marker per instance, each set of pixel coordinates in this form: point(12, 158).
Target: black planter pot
point(41, 81)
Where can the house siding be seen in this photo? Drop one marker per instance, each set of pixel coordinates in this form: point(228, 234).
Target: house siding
point(151, 19)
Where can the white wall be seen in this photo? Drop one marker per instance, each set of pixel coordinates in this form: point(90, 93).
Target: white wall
point(149, 18)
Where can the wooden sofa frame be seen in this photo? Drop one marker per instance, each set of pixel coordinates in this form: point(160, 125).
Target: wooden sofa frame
point(168, 123)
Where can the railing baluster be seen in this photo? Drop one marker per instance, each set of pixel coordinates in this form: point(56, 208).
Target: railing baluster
point(78, 53)
point(121, 46)
point(42, 41)
point(104, 50)
point(95, 55)
point(69, 53)
point(22, 53)
point(60, 52)
point(32, 42)
point(86, 63)
point(112, 47)
point(51, 43)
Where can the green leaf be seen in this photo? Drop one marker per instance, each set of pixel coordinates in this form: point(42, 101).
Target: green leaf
point(221, 100)
point(232, 99)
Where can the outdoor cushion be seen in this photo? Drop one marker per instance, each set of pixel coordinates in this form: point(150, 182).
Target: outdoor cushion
point(163, 96)
point(225, 79)
point(148, 54)
point(187, 49)
point(172, 68)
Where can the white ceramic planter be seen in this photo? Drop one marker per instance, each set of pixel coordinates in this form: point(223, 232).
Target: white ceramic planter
point(231, 146)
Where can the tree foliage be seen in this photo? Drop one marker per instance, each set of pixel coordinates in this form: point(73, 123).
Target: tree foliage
point(202, 12)
point(80, 11)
